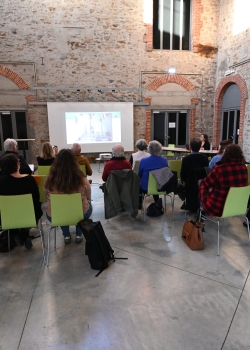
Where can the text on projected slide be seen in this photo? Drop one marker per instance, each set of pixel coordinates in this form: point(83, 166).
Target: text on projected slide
point(91, 127)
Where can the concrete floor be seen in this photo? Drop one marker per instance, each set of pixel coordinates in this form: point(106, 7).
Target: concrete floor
point(164, 296)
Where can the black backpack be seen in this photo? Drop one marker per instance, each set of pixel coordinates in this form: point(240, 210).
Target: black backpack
point(155, 209)
point(97, 246)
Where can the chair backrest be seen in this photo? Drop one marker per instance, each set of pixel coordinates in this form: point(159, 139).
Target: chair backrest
point(40, 180)
point(176, 166)
point(136, 168)
point(66, 209)
point(248, 171)
point(43, 169)
point(83, 169)
point(236, 201)
point(169, 153)
point(152, 185)
point(17, 211)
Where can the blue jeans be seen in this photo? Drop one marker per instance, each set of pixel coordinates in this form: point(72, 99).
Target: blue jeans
point(65, 229)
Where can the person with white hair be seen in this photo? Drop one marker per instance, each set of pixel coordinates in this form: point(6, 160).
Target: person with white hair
point(10, 147)
point(142, 146)
point(155, 161)
point(76, 148)
point(117, 162)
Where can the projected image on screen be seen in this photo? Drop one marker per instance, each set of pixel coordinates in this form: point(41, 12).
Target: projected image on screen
point(92, 127)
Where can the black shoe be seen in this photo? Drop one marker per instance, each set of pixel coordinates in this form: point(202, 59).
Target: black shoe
point(245, 224)
point(28, 244)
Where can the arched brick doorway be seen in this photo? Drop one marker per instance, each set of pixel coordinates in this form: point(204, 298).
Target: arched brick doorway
point(219, 94)
point(176, 79)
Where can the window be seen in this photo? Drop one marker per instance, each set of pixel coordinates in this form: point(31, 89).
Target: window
point(171, 24)
point(13, 124)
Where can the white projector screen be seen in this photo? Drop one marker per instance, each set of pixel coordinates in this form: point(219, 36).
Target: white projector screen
point(96, 126)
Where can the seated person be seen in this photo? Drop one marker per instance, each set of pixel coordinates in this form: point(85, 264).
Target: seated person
point(142, 146)
point(204, 144)
point(153, 162)
point(217, 158)
point(193, 160)
point(10, 147)
point(76, 148)
point(231, 171)
point(65, 176)
point(117, 162)
point(14, 183)
point(48, 155)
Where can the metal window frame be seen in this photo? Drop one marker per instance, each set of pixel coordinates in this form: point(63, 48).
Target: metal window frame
point(161, 20)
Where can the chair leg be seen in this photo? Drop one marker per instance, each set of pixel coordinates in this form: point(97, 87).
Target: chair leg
point(144, 206)
point(172, 200)
point(165, 203)
point(42, 241)
point(55, 238)
point(48, 246)
point(9, 240)
point(248, 228)
point(218, 247)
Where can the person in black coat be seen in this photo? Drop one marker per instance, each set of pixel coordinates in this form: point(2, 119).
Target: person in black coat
point(194, 160)
point(204, 144)
point(14, 183)
point(10, 147)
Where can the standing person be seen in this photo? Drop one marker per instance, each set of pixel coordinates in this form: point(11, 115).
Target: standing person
point(194, 160)
point(142, 146)
point(231, 171)
point(204, 144)
point(48, 154)
point(10, 147)
point(153, 162)
point(14, 183)
point(117, 162)
point(65, 176)
point(217, 158)
point(76, 148)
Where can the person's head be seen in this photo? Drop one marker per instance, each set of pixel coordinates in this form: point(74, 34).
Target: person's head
point(195, 145)
point(233, 152)
point(9, 164)
point(141, 145)
point(223, 145)
point(65, 174)
point(47, 151)
point(154, 148)
point(10, 145)
point(203, 138)
point(118, 151)
point(76, 148)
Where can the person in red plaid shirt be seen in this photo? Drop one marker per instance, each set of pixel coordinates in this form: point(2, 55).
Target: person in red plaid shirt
point(231, 171)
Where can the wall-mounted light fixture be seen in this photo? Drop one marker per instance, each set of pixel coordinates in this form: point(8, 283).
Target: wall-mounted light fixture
point(171, 70)
point(229, 71)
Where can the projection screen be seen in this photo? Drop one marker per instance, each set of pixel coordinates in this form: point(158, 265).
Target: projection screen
point(96, 126)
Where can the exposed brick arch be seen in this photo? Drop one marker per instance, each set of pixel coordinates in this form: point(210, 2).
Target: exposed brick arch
point(219, 94)
point(15, 78)
point(171, 78)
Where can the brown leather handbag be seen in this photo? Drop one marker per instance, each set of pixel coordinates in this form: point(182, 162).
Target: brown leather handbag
point(192, 234)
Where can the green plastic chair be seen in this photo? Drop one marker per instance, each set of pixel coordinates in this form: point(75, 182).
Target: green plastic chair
point(136, 168)
point(43, 169)
point(83, 169)
point(66, 210)
point(169, 153)
point(235, 204)
point(175, 165)
point(152, 190)
point(22, 206)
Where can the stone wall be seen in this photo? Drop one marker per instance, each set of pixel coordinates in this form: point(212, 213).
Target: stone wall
point(234, 50)
point(104, 44)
